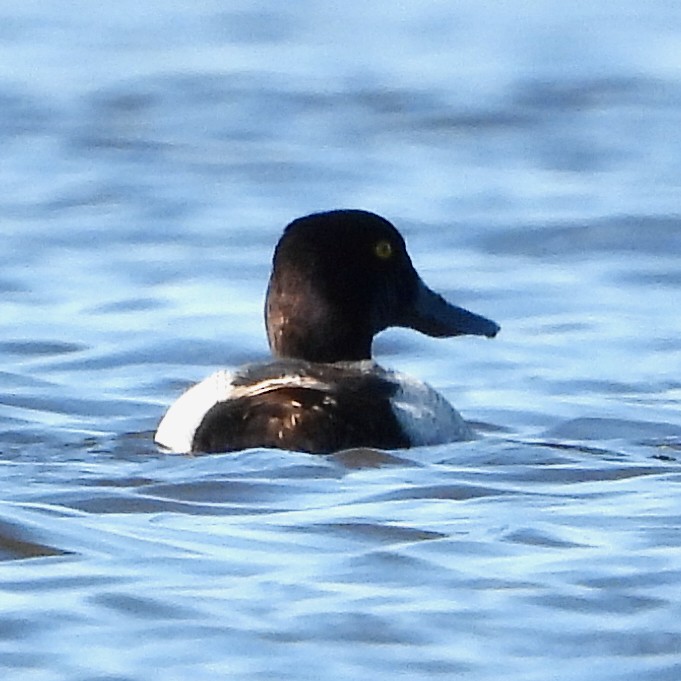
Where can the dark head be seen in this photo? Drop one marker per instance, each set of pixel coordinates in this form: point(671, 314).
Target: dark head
point(338, 278)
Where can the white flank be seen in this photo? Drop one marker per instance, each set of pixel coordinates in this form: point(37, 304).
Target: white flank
point(425, 415)
point(177, 428)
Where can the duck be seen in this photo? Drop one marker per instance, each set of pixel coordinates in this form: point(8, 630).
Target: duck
point(338, 279)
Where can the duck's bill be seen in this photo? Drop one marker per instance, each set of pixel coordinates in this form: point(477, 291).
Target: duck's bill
point(433, 315)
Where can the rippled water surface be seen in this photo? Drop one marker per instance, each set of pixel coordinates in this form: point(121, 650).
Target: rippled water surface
point(152, 153)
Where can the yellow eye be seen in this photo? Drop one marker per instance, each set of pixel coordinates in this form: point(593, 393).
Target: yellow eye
point(383, 249)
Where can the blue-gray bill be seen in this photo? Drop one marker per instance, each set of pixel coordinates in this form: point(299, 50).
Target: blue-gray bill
point(432, 315)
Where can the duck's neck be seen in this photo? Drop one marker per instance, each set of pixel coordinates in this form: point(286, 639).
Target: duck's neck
point(302, 325)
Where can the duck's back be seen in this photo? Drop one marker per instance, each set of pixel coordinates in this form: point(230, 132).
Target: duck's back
point(310, 407)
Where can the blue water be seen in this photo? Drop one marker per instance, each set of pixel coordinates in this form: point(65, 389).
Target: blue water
point(151, 155)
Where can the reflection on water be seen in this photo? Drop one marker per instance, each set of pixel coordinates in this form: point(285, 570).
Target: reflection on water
point(151, 155)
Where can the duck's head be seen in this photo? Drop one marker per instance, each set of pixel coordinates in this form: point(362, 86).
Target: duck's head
point(340, 277)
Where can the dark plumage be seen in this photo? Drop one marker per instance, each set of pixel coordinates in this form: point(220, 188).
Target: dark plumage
point(341, 407)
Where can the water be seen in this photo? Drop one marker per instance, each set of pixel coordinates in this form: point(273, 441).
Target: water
point(151, 154)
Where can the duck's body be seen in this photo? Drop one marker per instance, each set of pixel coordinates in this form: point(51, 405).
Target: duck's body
point(310, 407)
point(338, 278)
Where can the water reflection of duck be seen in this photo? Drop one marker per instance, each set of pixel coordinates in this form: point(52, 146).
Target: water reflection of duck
point(338, 278)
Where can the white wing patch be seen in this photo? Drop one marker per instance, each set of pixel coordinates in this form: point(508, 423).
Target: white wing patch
point(269, 384)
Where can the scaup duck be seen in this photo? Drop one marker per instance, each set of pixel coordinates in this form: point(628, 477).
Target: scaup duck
point(338, 278)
